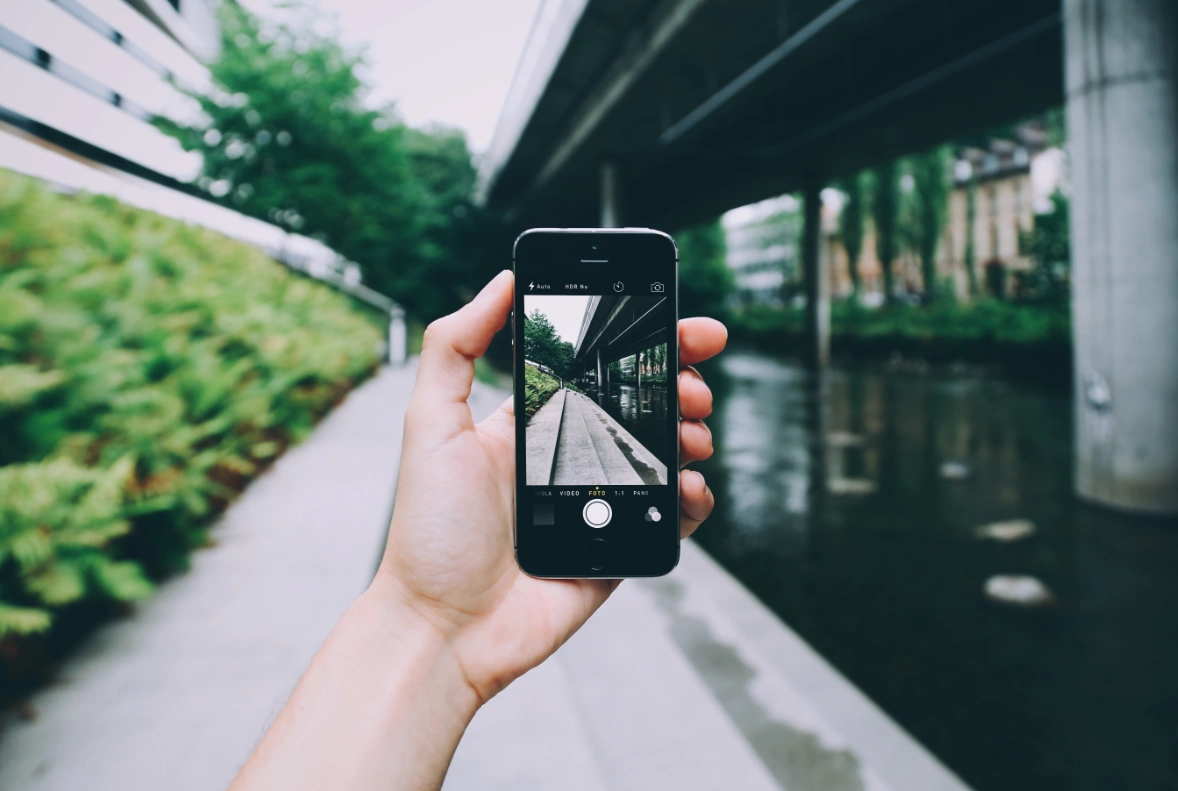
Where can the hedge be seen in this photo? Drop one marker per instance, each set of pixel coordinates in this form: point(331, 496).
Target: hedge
point(991, 331)
point(538, 388)
point(148, 370)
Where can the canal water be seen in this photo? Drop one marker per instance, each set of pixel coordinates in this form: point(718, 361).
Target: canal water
point(851, 507)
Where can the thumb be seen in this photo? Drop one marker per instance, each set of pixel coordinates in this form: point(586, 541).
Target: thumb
point(452, 344)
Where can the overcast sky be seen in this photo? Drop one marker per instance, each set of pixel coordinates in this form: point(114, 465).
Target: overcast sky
point(440, 61)
point(565, 312)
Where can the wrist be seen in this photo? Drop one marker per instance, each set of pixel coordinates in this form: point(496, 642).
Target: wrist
point(418, 649)
point(383, 704)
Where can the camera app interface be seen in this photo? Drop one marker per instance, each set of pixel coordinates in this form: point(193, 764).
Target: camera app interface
point(599, 425)
point(595, 379)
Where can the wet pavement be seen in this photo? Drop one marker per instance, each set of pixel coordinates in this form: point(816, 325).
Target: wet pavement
point(875, 511)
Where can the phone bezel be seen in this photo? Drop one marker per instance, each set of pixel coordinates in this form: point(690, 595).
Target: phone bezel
point(623, 247)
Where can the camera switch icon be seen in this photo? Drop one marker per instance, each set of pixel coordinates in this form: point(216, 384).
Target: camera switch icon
point(657, 288)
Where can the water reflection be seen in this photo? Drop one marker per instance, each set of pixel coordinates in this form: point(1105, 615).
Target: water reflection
point(641, 411)
point(835, 507)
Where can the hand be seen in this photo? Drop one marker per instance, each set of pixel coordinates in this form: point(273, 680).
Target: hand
point(450, 557)
point(449, 619)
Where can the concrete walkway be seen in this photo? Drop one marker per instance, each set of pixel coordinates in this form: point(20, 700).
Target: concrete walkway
point(681, 683)
point(595, 449)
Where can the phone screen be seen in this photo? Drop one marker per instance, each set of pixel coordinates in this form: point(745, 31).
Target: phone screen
point(596, 403)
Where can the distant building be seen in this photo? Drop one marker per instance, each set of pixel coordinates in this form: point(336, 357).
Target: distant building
point(87, 76)
point(763, 250)
point(1012, 178)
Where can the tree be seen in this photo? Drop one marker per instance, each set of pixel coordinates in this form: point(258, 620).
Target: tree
point(930, 172)
point(705, 281)
point(287, 136)
point(851, 227)
point(659, 360)
point(615, 371)
point(971, 211)
point(884, 206)
point(542, 345)
point(1049, 244)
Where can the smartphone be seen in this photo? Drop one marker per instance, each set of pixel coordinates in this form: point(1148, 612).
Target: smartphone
point(596, 352)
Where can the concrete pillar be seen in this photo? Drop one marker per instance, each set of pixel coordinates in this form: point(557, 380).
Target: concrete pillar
point(398, 338)
point(817, 279)
point(611, 198)
point(638, 359)
point(600, 377)
point(1121, 66)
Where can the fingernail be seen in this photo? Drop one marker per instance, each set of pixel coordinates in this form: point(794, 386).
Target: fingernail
point(493, 283)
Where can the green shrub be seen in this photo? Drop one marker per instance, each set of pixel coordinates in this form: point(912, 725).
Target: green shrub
point(989, 328)
point(148, 370)
point(538, 388)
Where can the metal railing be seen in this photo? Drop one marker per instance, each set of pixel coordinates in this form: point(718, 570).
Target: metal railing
point(343, 275)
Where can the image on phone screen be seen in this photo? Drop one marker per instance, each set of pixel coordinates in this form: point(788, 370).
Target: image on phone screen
point(613, 432)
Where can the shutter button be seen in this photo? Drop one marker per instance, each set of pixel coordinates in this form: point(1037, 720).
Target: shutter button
point(597, 513)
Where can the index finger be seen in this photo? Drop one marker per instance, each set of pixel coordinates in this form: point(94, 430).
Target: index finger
point(699, 339)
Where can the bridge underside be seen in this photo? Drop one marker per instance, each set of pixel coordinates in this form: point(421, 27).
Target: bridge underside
point(621, 326)
point(668, 112)
point(711, 104)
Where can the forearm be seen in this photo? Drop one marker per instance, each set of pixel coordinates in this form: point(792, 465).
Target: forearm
point(382, 706)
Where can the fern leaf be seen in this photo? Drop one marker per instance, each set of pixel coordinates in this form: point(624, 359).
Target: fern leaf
point(121, 580)
point(22, 620)
point(57, 584)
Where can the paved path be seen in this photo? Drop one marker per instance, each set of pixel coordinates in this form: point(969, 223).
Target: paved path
point(595, 449)
point(681, 683)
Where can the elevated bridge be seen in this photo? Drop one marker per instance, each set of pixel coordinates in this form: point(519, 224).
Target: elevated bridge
point(699, 106)
point(668, 112)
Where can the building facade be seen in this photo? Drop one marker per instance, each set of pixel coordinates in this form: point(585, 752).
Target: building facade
point(997, 190)
point(81, 82)
point(763, 250)
point(88, 76)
